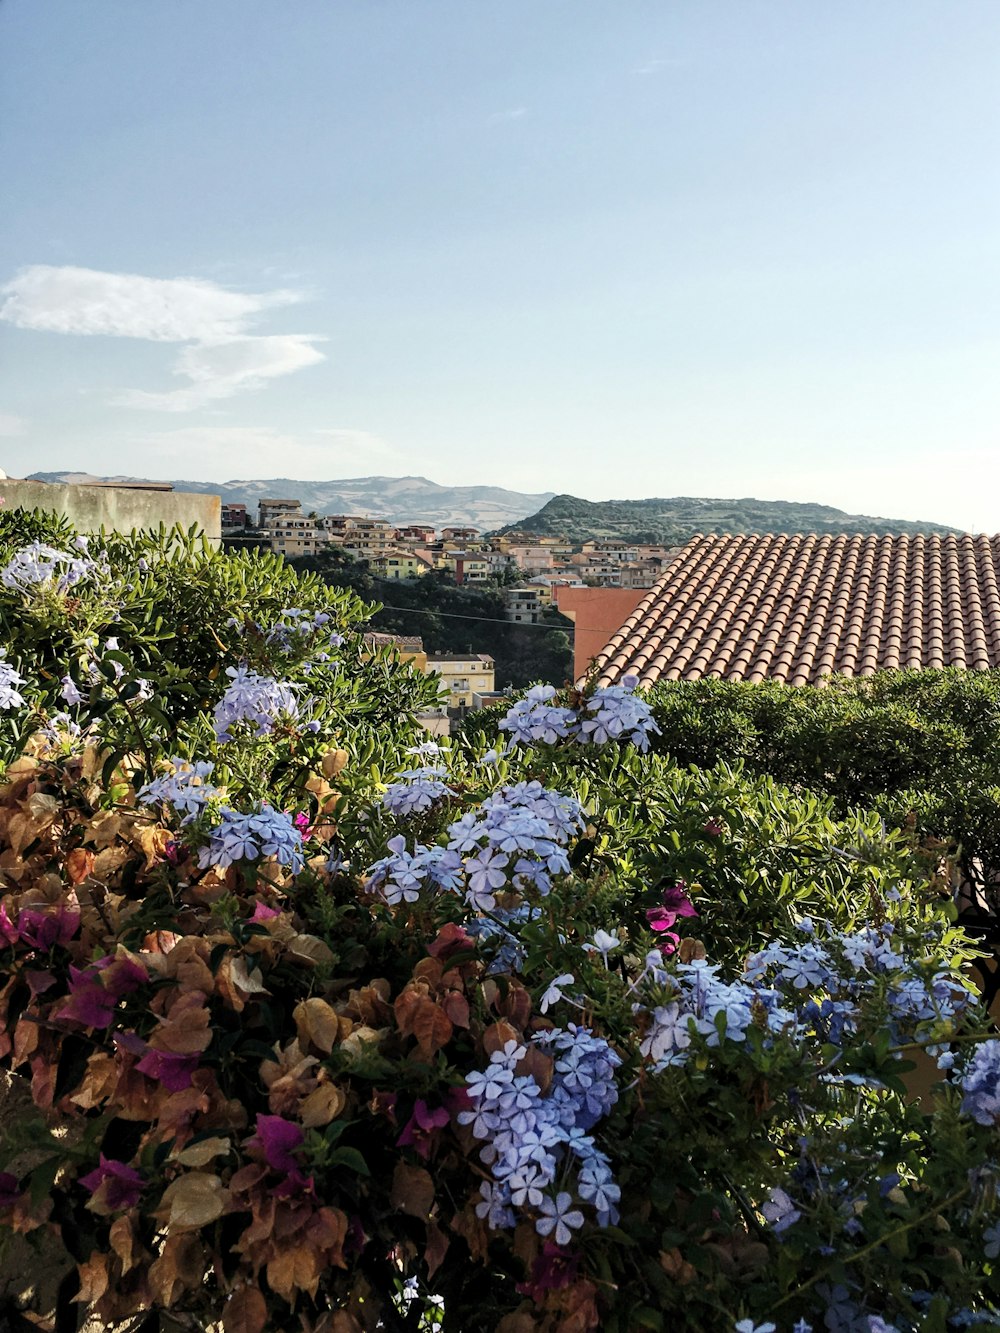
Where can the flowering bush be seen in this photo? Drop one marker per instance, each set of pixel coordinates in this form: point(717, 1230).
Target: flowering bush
point(327, 1029)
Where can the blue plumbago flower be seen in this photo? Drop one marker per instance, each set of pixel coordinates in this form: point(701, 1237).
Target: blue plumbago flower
point(426, 750)
point(560, 1216)
point(401, 876)
point(186, 788)
point(62, 730)
point(991, 1241)
point(616, 714)
point(748, 1326)
point(847, 968)
point(9, 677)
point(416, 792)
point(535, 719)
point(265, 832)
point(604, 943)
point(980, 1083)
point(37, 566)
point(515, 839)
point(255, 699)
point(532, 1140)
point(802, 1326)
point(499, 927)
point(780, 1211)
point(69, 691)
point(554, 993)
point(294, 628)
point(702, 1003)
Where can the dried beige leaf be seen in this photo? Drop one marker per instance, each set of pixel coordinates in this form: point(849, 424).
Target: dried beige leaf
point(192, 1201)
point(322, 1105)
point(202, 1152)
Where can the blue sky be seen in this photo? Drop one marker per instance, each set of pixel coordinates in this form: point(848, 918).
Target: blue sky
point(628, 248)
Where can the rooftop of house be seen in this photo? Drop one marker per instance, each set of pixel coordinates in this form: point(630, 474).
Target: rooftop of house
point(801, 608)
point(406, 643)
point(459, 657)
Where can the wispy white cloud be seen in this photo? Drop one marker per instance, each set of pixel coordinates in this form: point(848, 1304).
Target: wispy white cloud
point(223, 358)
point(221, 369)
point(11, 425)
point(512, 113)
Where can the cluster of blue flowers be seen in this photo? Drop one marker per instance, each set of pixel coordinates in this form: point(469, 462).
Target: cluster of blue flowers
point(9, 678)
point(417, 791)
point(186, 788)
point(700, 1003)
point(614, 713)
point(38, 566)
point(980, 1083)
point(295, 630)
point(851, 969)
point(516, 839)
point(260, 701)
point(264, 832)
point(402, 876)
point(816, 989)
point(532, 1140)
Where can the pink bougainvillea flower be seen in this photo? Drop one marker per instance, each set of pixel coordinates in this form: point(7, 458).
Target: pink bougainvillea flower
point(277, 1138)
point(10, 1190)
point(301, 822)
point(39, 980)
point(172, 851)
point(294, 1185)
point(113, 1185)
point(421, 1129)
point(713, 828)
point(554, 1268)
point(262, 912)
point(121, 974)
point(130, 1042)
point(88, 1003)
point(676, 900)
point(659, 918)
point(44, 930)
point(167, 1067)
point(8, 930)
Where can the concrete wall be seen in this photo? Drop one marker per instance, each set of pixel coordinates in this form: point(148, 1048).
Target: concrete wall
point(117, 508)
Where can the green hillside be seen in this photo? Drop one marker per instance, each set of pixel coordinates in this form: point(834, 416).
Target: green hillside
point(674, 520)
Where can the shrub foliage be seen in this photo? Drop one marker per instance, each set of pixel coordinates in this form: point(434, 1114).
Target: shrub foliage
point(329, 1028)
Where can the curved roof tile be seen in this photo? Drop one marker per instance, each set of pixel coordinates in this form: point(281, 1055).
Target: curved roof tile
point(803, 607)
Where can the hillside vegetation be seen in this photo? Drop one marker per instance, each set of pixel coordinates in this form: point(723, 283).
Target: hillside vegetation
point(674, 520)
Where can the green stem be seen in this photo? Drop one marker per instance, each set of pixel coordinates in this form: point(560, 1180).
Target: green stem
point(877, 1244)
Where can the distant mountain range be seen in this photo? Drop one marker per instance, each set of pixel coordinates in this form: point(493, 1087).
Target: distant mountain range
point(398, 499)
point(491, 508)
point(673, 521)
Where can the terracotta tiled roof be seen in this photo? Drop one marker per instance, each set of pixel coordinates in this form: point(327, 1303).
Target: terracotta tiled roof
point(798, 608)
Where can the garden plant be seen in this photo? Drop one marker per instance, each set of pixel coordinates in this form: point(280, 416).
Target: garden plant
point(329, 1026)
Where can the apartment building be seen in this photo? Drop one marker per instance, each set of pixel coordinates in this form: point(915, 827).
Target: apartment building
point(235, 518)
point(400, 564)
point(462, 677)
point(466, 566)
point(524, 605)
point(267, 509)
point(293, 534)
